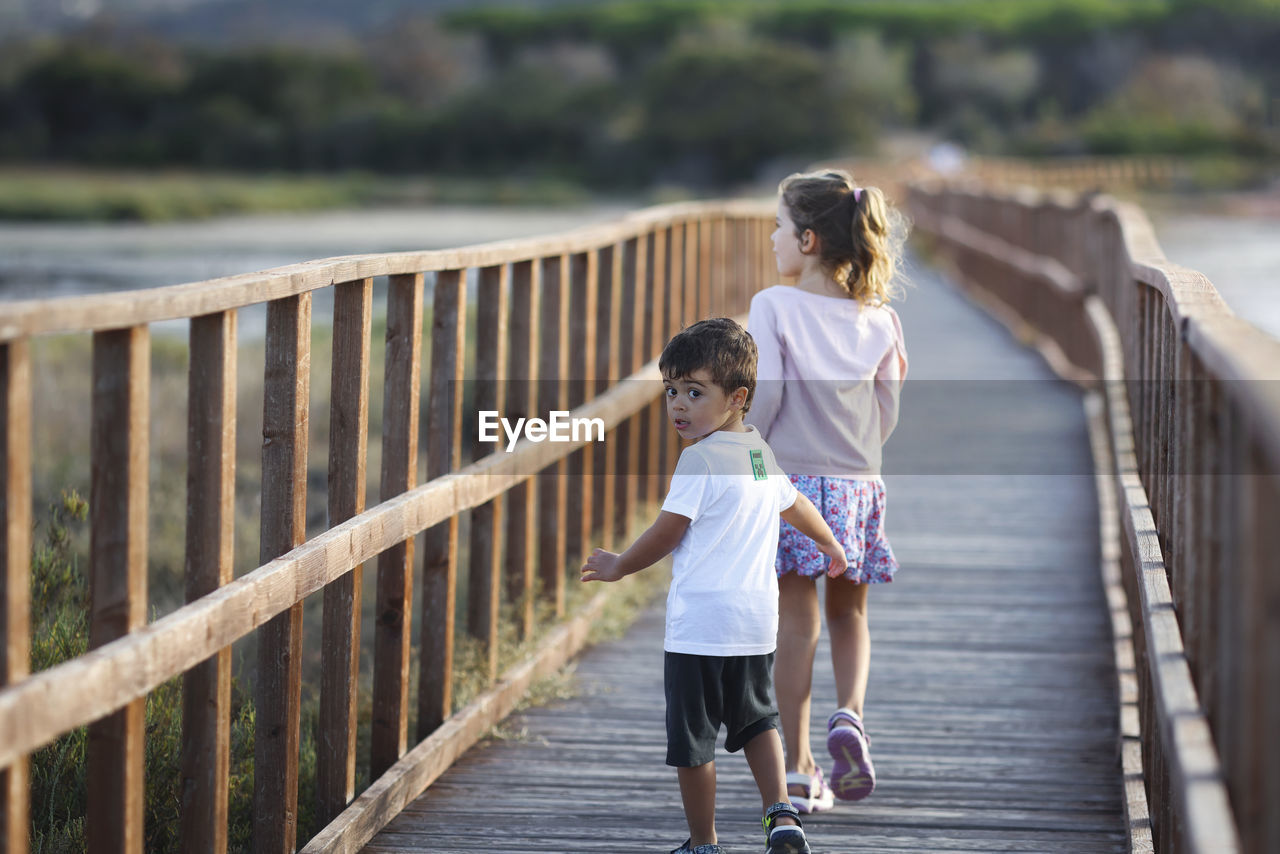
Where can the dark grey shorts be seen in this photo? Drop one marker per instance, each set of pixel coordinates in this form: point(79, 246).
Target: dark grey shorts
point(705, 691)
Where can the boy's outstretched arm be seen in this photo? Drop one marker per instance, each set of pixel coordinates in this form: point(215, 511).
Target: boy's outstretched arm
point(806, 519)
point(649, 548)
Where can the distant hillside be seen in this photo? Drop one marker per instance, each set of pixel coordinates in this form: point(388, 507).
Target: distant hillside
point(233, 21)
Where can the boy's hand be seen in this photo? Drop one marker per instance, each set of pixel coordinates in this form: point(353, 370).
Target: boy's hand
point(838, 563)
point(601, 566)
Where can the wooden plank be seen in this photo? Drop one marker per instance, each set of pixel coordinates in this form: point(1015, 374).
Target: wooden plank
point(108, 678)
point(94, 312)
point(15, 569)
point(444, 455)
point(484, 594)
point(553, 374)
point(278, 692)
point(210, 552)
point(389, 732)
point(348, 456)
point(118, 575)
point(522, 402)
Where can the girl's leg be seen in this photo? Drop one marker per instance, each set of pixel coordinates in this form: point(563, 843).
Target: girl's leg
point(846, 606)
point(698, 792)
point(798, 628)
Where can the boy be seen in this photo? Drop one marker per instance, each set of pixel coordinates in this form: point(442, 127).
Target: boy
point(720, 518)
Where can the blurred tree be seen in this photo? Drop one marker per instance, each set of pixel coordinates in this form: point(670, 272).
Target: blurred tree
point(714, 112)
point(1180, 105)
point(417, 62)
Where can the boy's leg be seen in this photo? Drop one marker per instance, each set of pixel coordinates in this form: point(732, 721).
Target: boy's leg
point(764, 756)
point(850, 642)
point(698, 792)
point(798, 629)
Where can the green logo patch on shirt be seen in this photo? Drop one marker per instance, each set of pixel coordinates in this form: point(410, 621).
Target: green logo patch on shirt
point(757, 465)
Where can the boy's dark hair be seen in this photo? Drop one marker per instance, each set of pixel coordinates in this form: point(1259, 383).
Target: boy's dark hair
point(722, 347)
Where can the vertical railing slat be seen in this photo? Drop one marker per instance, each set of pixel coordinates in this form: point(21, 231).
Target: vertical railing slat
point(118, 575)
point(631, 345)
point(392, 638)
point(278, 697)
point(608, 320)
point(15, 568)
point(584, 301)
point(211, 472)
point(485, 577)
point(444, 453)
point(553, 372)
point(656, 327)
point(348, 457)
point(522, 402)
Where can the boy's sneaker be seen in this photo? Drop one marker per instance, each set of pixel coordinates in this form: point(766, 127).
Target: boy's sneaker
point(701, 849)
point(853, 777)
point(817, 794)
point(784, 838)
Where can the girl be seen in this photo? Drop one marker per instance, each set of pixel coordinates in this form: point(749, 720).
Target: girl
point(832, 363)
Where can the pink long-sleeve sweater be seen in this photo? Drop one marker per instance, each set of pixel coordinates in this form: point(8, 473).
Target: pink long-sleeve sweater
point(828, 382)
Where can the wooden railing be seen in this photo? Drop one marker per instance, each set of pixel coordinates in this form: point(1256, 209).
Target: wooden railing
point(595, 305)
point(1189, 408)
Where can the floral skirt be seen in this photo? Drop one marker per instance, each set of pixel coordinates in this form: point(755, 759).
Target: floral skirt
point(855, 511)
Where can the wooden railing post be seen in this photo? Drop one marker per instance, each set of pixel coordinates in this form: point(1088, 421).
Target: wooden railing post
point(484, 594)
point(211, 475)
point(522, 402)
point(348, 456)
point(278, 698)
point(394, 605)
point(15, 569)
point(118, 575)
point(444, 453)
point(553, 372)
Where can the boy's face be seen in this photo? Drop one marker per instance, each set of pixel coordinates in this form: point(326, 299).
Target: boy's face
point(697, 407)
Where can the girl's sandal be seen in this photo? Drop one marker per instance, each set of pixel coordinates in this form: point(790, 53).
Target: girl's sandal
point(853, 777)
point(817, 794)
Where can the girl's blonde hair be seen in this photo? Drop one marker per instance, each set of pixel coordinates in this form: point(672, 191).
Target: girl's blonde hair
point(860, 235)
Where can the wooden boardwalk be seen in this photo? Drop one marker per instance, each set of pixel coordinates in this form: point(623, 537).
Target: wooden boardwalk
point(991, 706)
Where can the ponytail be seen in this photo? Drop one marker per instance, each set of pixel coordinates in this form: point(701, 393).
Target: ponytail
point(860, 234)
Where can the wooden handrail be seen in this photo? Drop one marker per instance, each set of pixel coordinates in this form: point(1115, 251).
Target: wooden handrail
point(658, 260)
point(1194, 424)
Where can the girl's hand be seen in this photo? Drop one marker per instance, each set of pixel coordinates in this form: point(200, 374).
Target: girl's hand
point(838, 563)
point(602, 566)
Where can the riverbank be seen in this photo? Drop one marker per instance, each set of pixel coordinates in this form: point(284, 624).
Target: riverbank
point(85, 195)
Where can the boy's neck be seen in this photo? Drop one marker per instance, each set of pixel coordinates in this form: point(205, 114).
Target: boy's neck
point(733, 425)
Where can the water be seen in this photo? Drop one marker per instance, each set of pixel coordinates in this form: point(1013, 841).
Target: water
point(1240, 254)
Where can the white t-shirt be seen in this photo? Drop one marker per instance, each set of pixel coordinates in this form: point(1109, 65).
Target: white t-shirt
point(724, 592)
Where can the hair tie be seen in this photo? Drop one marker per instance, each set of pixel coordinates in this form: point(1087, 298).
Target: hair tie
point(857, 195)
